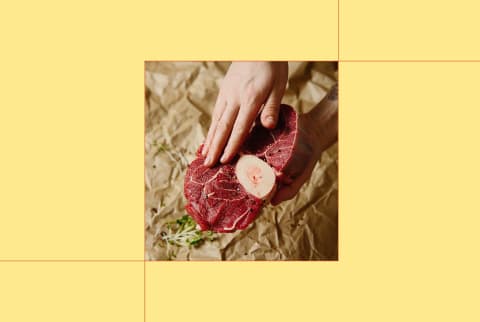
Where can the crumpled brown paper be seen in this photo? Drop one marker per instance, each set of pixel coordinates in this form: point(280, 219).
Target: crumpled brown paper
point(179, 98)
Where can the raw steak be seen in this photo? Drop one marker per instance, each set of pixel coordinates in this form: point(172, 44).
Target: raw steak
point(275, 146)
point(216, 198)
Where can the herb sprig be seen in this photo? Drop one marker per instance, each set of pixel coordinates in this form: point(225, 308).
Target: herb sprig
point(184, 232)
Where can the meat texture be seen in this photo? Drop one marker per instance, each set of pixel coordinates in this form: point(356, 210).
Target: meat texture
point(215, 197)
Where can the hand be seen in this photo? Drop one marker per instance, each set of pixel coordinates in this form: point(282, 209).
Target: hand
point(317, 130)
point(246, 87)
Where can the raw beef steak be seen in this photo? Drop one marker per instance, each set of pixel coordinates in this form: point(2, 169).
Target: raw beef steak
point(275, 146)
point(216, 198)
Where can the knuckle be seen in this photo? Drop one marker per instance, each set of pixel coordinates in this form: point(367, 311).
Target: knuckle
point(251, 96)
point(250, 88)
point(270, 108)
point(248, 101)
point(240, 129)
point(229, 104)
point(216, 118)
point(224, 126)
point(216, 115)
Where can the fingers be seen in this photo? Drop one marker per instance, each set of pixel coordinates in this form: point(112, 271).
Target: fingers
point(217, 114)
point(269, 115)
point(290, 191)
point(222, 132)
point(249, 85)
point(246, 116)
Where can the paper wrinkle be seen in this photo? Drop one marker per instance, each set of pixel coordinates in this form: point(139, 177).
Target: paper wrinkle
point(180, 97)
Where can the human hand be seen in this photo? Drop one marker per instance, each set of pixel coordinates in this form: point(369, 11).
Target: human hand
point(317, 130)
point(246, 87)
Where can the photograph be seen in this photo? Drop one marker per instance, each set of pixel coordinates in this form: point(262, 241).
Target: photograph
point(241, 160)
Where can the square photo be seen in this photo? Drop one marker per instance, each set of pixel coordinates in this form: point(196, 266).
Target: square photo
point(241, 161)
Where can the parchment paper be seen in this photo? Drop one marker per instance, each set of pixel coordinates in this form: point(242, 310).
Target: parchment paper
point(179, 98)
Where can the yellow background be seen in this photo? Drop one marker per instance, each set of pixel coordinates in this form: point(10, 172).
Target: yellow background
point(76, 292)
point(71, 175)
point(409, 30)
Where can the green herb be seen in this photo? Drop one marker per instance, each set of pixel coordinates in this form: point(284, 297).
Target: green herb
point(163, 147)
point(184, 232)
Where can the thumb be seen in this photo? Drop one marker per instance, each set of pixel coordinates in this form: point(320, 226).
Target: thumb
point(289, 191)
point(269, 115)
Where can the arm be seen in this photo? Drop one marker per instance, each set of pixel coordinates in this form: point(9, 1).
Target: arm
point(318, 130)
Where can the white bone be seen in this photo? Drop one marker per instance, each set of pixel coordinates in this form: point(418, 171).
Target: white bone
point(256, 176)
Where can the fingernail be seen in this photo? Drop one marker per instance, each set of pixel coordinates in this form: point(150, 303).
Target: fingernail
point(207, 161)
point(223, 159)
point(270, 120)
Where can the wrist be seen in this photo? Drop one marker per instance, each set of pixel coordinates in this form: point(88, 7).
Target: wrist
point(323, 119)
